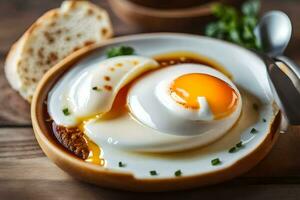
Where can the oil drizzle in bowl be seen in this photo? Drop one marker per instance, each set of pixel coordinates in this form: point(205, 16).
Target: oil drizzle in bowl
point(95, 153)
point(178, 57)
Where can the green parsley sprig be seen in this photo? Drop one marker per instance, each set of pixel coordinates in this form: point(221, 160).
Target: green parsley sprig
point(234, 25)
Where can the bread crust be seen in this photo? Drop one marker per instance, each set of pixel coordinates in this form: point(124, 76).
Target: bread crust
point(20, 71)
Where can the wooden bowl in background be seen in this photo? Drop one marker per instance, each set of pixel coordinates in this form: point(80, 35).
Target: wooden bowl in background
point(167, 15)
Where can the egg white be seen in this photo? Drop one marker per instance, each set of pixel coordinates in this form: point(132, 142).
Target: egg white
point(150, 94)
point(126, 133)
point(76, 91)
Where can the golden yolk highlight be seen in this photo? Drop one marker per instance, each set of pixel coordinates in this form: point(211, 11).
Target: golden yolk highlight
point(221, 97)
point(95, 151)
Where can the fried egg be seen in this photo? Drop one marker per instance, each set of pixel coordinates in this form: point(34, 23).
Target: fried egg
point(167, 109)
point(187, 99)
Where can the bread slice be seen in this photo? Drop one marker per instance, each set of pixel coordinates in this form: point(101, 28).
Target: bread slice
point(51, 38)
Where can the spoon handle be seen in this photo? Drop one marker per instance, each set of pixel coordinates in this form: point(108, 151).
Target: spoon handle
point(291, 69)
point(285, 91)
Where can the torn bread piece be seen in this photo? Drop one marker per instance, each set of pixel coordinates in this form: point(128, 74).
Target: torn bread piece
point(55, 35)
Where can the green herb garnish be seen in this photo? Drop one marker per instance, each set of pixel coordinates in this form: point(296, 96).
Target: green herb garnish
point(66, 111)
point(215, 161)
point(239, 145)
point(264, 120)
point(96, 88)
point(153, 173)
point(232, 150)
point(121, 164)
point(119, 51)
point(178, 173)
point(234, 25)
point(236, 147)
point(253, 130)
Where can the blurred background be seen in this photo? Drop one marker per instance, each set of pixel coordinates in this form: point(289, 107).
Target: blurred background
point(17, 15)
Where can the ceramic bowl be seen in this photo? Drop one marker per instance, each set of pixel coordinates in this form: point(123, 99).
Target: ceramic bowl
point(248, 72)
point(152, 18)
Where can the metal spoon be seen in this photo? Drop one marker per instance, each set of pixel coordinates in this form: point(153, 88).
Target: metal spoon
point(274, 33)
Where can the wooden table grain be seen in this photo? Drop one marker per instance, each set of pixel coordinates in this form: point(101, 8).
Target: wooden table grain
point(25, 172)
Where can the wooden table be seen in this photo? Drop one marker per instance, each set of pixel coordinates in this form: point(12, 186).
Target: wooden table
point(25, 172)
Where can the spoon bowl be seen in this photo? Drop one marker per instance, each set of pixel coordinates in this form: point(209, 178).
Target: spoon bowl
point(274, 32)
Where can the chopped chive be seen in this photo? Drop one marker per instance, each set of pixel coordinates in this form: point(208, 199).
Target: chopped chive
point(239, 145)
point(153, 173)
point(253, 130)
point(97, 88)
point(216, 161)
point(122, 164)
point(178, 173)
point(66, 111)
point(232, 150)
point(264, 120)
point(255, 106)
point(120, 51)
point(236, 147)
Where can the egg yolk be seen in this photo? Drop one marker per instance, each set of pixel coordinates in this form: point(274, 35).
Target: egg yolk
point(221, 97)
